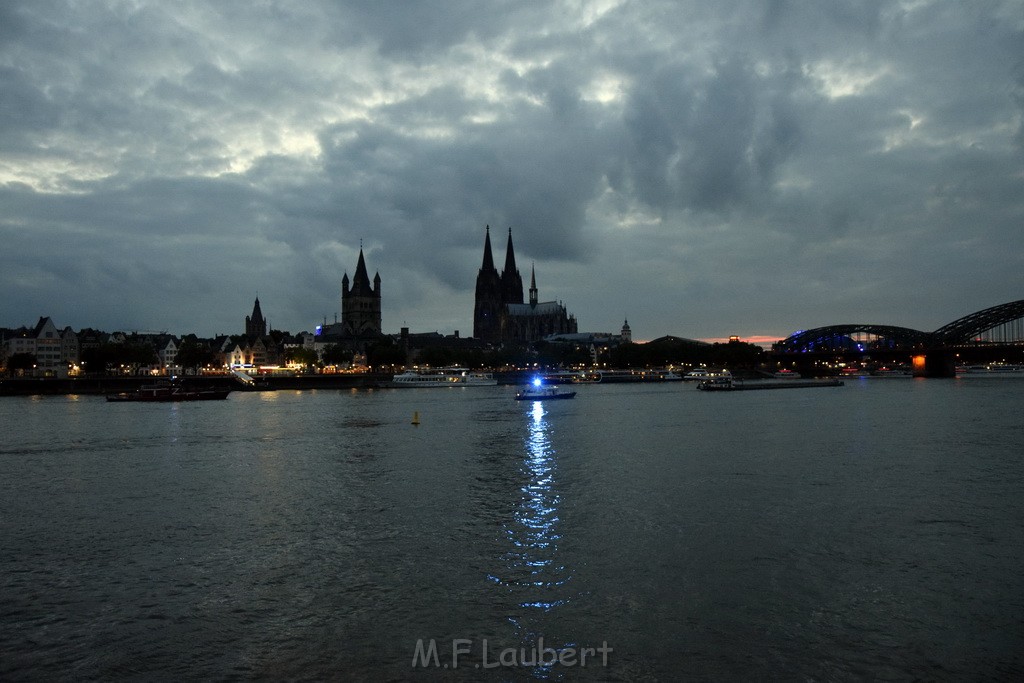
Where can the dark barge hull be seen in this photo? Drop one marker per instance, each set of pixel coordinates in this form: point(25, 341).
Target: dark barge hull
point(785, 384)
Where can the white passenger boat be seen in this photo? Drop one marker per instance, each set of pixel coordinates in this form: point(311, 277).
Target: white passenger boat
point(443, 377)
point(703, 375)
point(995, 368)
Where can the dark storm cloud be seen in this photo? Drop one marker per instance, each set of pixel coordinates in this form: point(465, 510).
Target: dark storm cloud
point(702, 168)
point(418, 29)
point(531, 172)
point(706, 141)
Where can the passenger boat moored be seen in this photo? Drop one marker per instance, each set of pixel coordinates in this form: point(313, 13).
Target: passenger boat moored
point(443, 377)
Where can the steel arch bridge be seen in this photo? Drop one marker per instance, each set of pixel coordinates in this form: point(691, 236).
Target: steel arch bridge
point(970, 327)
point(852, 338)
point(1008, 318)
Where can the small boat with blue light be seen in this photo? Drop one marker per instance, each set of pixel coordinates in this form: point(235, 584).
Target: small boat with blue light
point(538, 391)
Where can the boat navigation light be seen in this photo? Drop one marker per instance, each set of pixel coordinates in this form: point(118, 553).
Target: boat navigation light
point(536, 381)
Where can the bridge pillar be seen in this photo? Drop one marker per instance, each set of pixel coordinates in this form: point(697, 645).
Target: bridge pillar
point(935, 364)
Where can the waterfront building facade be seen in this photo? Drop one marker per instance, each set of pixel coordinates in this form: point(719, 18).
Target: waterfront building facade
point(164, 345)
point(256, 352)
point(167, 354)
point(55, 350)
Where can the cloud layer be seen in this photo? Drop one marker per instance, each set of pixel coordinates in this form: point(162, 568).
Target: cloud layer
point(703, 169)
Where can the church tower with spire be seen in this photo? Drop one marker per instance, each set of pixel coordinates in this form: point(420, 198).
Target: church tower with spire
point(360, 303)
point(255, 325)
point(488, 306)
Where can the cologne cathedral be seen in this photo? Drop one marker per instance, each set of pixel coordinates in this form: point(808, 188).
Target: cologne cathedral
point(500, 316)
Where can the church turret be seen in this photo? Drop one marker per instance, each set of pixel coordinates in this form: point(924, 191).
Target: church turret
point(627, 334)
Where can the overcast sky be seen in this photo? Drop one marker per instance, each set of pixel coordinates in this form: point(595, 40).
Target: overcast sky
point(700, 168)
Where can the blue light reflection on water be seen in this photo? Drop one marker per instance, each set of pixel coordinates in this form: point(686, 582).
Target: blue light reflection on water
point(535, 533)
point(537, 575)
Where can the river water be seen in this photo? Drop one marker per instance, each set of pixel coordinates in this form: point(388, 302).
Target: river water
point(649, 532)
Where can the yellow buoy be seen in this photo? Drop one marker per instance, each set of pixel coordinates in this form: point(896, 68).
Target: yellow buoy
point(416, 417)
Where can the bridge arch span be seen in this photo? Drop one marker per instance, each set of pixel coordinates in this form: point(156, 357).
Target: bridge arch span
point(834, 337)
point(965, 329)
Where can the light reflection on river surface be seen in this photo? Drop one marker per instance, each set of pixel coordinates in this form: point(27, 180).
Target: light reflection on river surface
point(870, 531)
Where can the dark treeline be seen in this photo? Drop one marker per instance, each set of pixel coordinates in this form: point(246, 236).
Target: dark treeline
point(659, 353)
point(106, 357)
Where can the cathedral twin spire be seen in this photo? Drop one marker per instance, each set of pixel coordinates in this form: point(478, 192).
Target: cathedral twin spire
point(494, 291)
point(488, 264)
point(511, 282)
point(499, 314)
